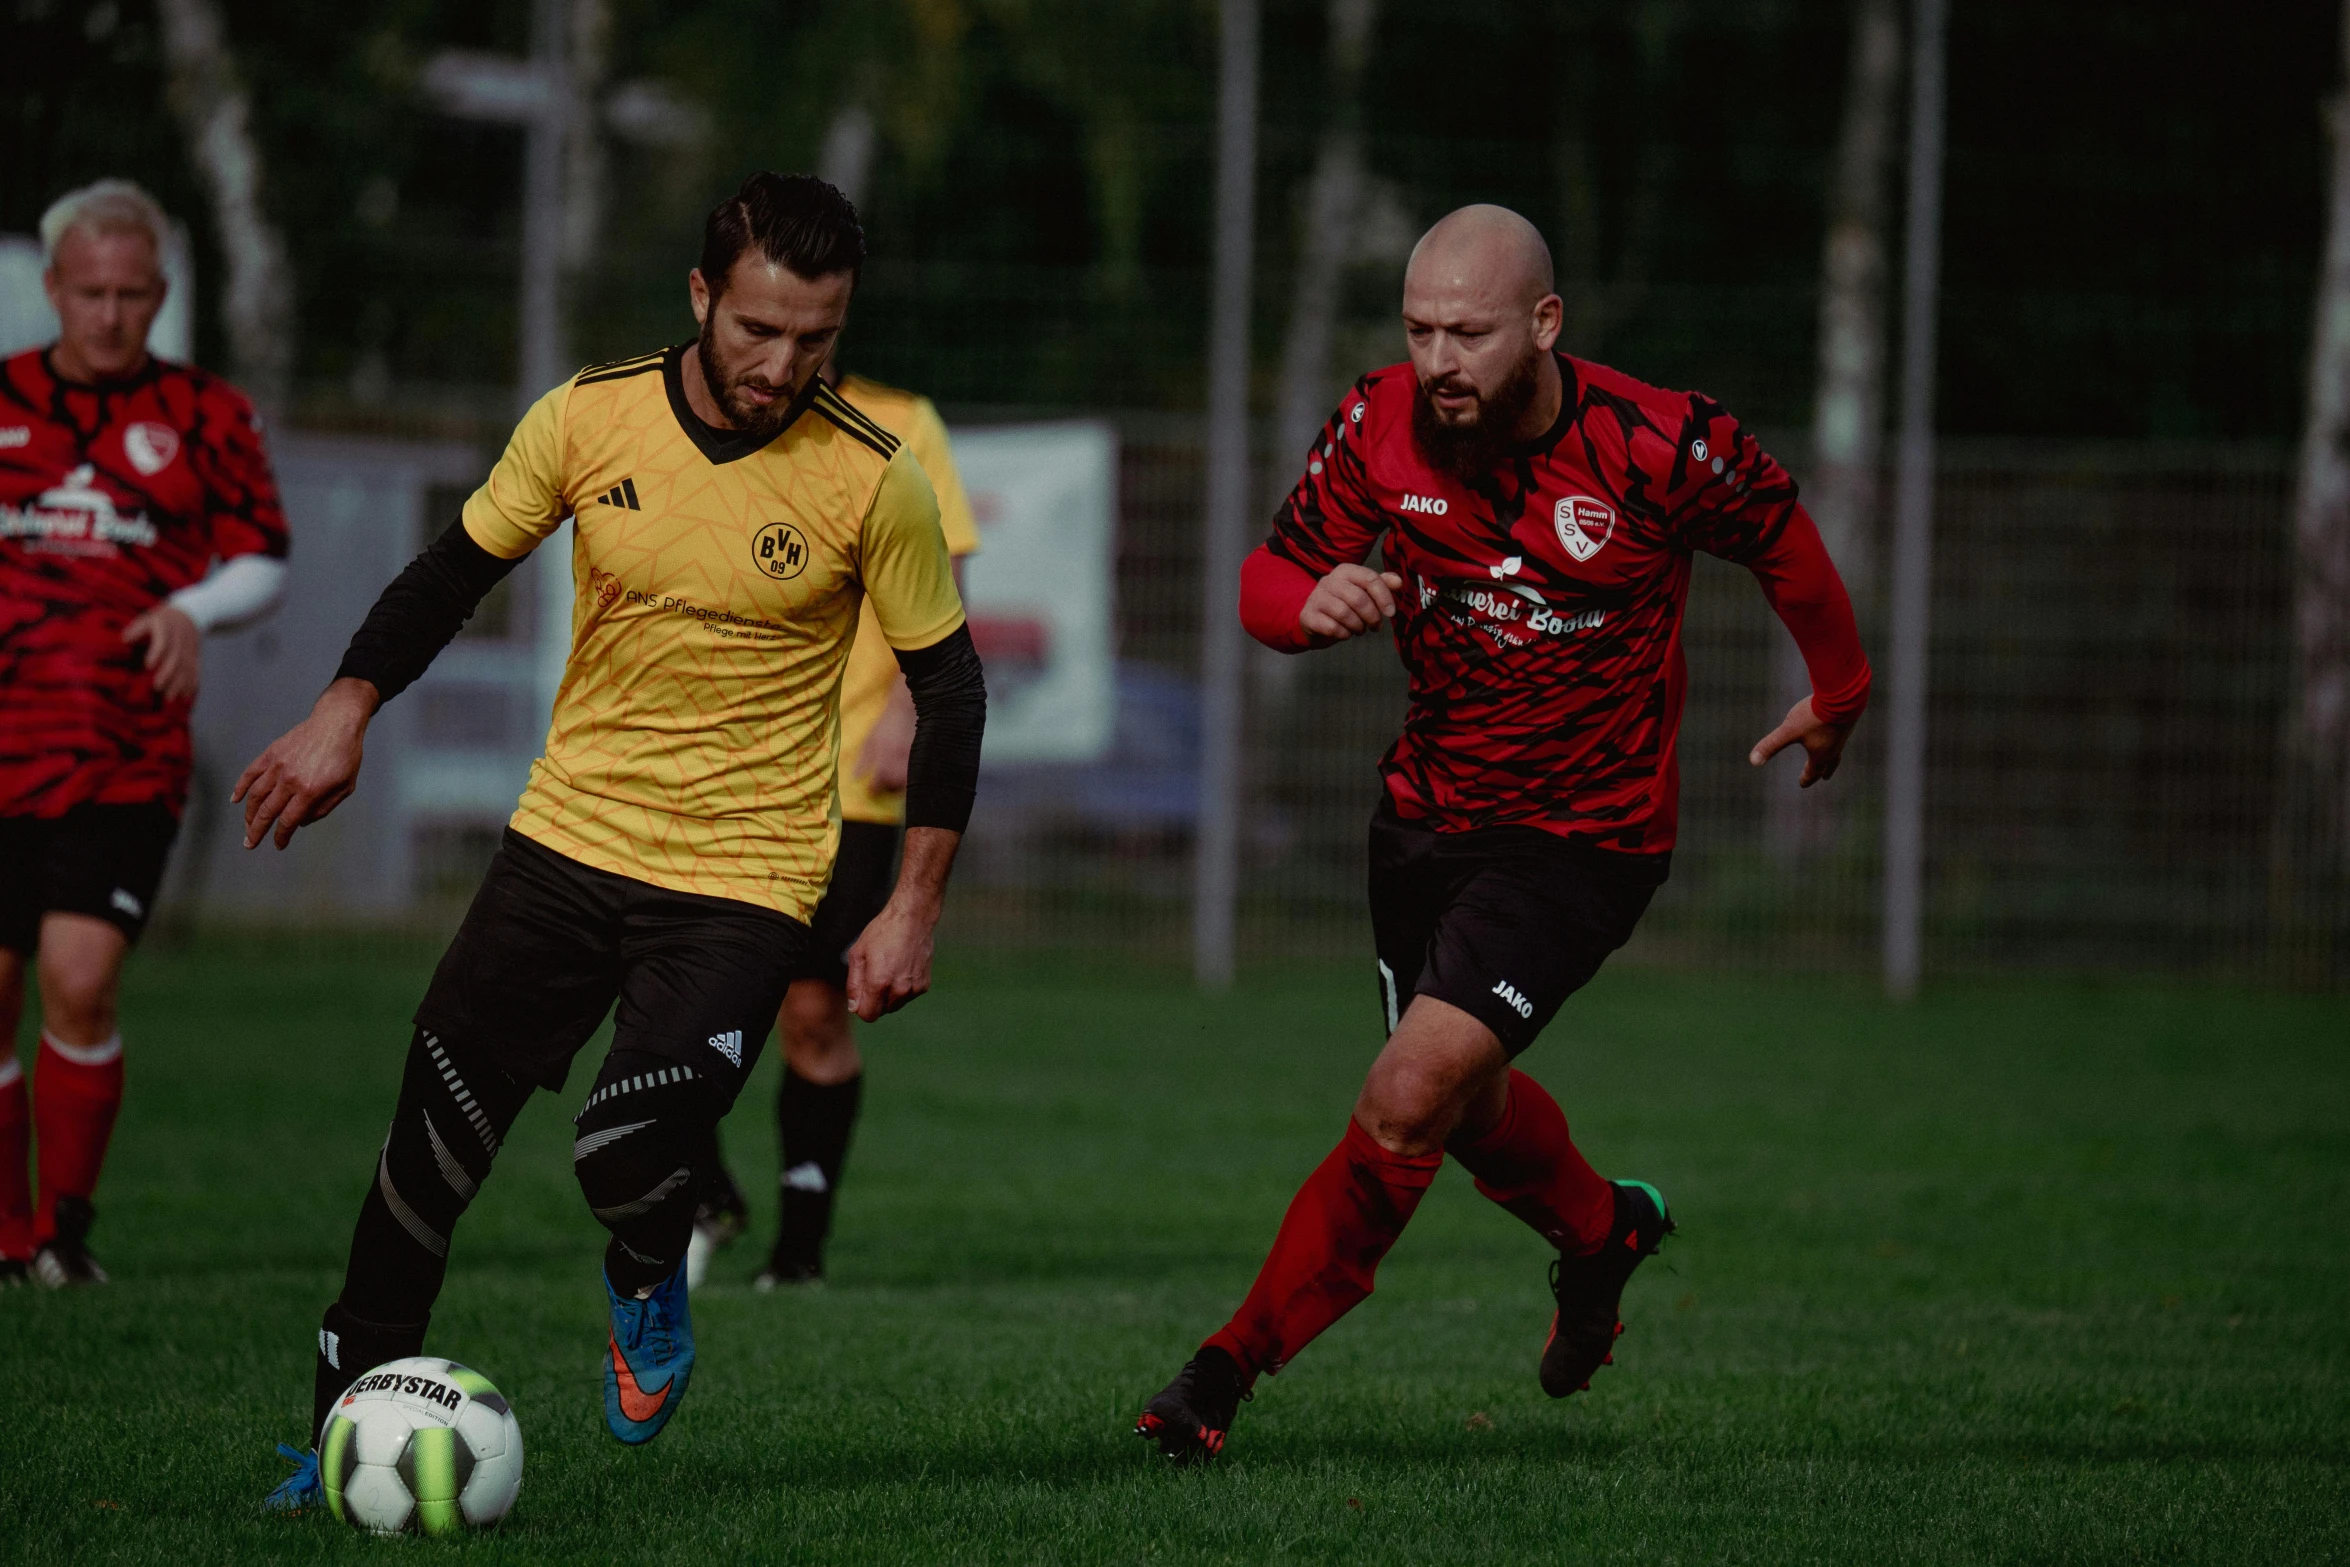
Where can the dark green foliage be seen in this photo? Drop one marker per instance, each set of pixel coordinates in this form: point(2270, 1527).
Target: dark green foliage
point(2039, 1273)
point(2132, 233)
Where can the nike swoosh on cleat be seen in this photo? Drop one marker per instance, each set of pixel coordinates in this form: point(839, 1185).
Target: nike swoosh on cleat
point(633, 1402)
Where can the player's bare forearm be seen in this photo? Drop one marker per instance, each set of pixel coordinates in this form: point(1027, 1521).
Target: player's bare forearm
point(890, 964)
point(1352, 601)
point(311, 768)
point(1822, 742)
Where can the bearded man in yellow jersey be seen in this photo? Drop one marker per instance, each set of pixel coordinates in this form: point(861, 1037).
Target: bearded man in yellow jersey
point(733, 518)
point(823, 1074)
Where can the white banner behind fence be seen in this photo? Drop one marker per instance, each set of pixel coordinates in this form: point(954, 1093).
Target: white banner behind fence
point(1040, 589)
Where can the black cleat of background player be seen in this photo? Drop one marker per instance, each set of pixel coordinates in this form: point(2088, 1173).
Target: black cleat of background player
point(1190, 1417)
point(1590, 1290)
point(66, 1260)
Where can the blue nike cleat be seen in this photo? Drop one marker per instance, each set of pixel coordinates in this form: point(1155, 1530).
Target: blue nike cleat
point(299, 1491)
point(649, 1360)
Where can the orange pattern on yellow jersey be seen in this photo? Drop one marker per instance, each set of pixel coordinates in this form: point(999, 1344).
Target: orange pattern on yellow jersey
point(873, 671)
point(717, 585)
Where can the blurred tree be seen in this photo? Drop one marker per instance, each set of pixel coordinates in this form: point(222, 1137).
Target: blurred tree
point(208, 96)
point(1604, 267)
point(1328, 218)
point(1848, 418)
point(2312, 858)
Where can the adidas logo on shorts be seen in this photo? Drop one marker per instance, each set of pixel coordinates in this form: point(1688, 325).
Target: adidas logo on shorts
point(729, 1045)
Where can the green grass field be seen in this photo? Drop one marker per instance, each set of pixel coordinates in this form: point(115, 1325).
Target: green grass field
point(2030, 1273)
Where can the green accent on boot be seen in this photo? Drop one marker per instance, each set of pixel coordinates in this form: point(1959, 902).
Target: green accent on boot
point(1654, 1196)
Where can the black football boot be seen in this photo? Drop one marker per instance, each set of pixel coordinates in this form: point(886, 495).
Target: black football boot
point(1590, 1289)
point(66, 1260)
point(1190, 1417)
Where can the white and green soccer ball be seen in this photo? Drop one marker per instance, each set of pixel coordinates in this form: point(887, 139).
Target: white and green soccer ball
point(422, 1446)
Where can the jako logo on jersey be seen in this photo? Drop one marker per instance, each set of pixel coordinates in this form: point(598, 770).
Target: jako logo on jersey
point(1584, 525)
point(780, 551)
point(123, 900)
point(150, 446)
point(16, 435)
point(1510, 998)
point(1432, 505)
point(729, 1045)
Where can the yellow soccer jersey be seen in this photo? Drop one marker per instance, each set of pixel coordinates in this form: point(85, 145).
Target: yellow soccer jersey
point(717, 585)
point(873, 670)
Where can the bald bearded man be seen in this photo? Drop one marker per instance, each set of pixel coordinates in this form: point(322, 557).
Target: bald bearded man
point(1536, 515)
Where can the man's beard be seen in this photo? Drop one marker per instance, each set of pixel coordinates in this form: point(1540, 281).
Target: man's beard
point(761, 421)
point(1472, 449)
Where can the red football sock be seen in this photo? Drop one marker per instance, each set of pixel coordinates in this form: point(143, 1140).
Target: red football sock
point(1339, 1225)
point(16, 1146)
point(1529, 1165)
point(76, 1090)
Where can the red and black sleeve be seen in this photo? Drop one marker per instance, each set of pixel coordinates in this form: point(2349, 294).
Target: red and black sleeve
point(233, 463)
point(1330, 519)
point(1731, 499)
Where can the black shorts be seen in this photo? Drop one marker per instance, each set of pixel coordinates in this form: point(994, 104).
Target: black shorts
point(1503, 922)
point(550, 944)
point(101, 860)
point(862, 879)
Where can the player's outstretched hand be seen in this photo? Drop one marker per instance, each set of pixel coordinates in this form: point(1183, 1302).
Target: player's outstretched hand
point(1352, 601)
point(1823, 743)
point(311, 768)
point(175, 650)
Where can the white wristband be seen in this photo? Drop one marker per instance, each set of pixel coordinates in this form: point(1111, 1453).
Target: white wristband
point(240, 592)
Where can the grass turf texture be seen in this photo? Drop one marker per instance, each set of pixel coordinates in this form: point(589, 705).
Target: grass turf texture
point(2033, 1272)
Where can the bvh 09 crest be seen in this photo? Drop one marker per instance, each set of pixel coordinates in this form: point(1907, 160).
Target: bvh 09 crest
point(422, 1446)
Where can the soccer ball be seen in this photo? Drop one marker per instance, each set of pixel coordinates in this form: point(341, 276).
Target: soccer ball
point(421, 1444)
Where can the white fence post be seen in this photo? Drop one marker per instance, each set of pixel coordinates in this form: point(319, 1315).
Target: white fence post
point(1913, 516)
point(1216, 868)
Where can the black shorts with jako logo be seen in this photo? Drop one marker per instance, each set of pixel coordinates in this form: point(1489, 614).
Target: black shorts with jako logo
point(1503, 922)
point(103, 861)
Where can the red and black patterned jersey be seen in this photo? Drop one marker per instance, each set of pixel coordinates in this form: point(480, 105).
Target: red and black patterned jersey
point(1540, 618)
point(112, 497)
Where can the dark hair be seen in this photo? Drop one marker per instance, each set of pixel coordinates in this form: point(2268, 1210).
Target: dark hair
point(794, 220)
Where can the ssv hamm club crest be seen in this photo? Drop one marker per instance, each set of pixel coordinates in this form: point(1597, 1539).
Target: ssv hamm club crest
point(1584, 525)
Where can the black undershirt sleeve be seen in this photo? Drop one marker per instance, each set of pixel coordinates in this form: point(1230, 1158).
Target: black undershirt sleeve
point(950, 716)
point(422, 609)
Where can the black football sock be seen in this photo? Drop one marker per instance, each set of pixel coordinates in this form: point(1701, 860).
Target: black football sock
point(814, 1120)
point(348, 1348)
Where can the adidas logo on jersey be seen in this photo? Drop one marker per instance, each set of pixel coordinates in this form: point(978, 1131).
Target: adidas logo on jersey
point(1510, 998)
point(1430, 505)
point(622, 495)
point(729, 1045)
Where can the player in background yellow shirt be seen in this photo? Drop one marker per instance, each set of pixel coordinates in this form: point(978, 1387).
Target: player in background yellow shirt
point(733, 519)
point(824, 1077)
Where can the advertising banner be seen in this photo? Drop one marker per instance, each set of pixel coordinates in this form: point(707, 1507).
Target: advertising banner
point(1039, 591)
